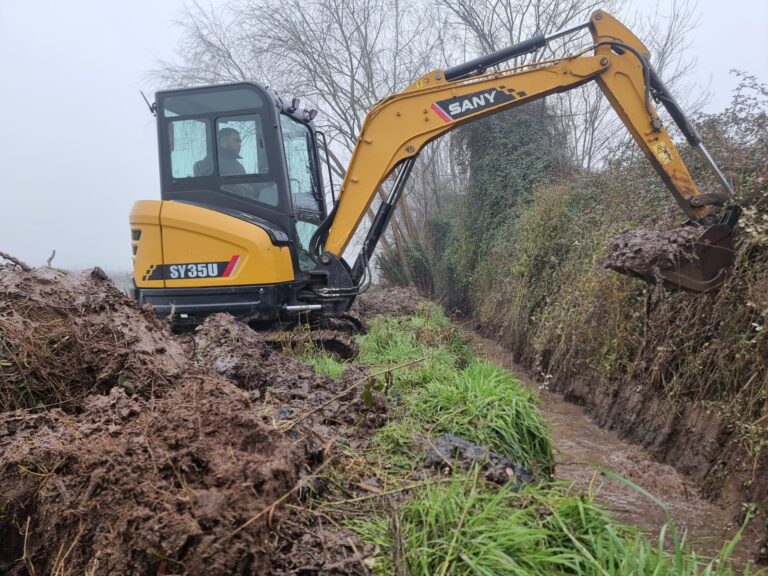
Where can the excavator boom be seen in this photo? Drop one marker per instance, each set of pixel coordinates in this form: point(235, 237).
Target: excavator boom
point(398, 128)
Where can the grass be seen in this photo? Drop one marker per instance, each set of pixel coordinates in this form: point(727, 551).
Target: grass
point(425, 525)
point(485, 404)
point(467, 528)
point(324, 363)
point(448, 392)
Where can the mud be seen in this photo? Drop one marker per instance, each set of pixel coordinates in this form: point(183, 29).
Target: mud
point(66, 335)
point(646, 252)
point(449, 451)
point(387, 301)
point(132, 486)
point(139, 451)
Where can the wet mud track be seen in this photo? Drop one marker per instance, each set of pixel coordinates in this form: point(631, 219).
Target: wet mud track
point(582, 448)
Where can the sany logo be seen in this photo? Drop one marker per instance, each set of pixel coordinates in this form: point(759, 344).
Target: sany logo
point(460, 106)
point(470, 104)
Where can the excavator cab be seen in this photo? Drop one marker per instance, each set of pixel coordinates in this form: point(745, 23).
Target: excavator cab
point(241, 196)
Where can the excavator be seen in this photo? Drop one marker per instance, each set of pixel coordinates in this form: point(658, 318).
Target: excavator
point(243, 224)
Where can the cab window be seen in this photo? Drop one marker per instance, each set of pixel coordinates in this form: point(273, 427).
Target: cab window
point(240, 142)
point(304, 188)
point(190, 145)
point(229, 150)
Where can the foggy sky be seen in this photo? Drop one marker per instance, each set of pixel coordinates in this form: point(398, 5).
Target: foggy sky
point(78, 145)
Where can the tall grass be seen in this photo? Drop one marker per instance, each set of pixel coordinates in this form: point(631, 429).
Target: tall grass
point(428, 337)
point(464, 529)
point(486, 405)
point(449, 393)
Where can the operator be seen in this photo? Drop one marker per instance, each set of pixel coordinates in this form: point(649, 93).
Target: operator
point(229, 153)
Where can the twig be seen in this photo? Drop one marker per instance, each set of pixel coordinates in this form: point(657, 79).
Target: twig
point(398, 547)
point(26, 558)
point(345, 392)
point(25, 267)
point(760, 420)
point(270, 509)
point(58, 563)
point(358, 556)
point(431, 445)
point(388, 492)
point(456, 533)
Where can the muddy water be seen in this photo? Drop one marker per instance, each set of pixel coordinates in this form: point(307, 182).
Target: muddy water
point(581, 447)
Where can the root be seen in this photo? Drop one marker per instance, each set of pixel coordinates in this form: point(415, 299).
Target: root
point(24, 266)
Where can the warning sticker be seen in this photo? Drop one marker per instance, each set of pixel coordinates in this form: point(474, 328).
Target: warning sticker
point(662, 153)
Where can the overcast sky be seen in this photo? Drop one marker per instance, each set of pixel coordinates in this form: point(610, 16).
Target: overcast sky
point(78, 145)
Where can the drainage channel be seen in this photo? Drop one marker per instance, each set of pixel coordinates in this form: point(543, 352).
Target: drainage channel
point(582, 447)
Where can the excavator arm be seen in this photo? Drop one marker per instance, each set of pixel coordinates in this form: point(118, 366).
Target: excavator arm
point(396, 130)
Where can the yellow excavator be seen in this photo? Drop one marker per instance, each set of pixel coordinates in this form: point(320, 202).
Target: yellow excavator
point(243, 225)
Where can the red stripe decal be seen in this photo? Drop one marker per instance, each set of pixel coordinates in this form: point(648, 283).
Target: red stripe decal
point(231, 266)
point(439, 112)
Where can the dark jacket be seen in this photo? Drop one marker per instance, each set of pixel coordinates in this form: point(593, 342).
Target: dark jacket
point(228, 164)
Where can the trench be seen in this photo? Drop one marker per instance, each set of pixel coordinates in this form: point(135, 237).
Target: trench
point(582, 448)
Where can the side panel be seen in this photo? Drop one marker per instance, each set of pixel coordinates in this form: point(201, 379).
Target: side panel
point(146, 243)
point(204, 248)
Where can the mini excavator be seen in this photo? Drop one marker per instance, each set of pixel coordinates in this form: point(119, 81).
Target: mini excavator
point(243, 225)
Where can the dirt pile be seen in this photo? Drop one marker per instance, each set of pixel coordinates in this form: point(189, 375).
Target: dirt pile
point(125, 448)
point(646, 252)
point(134, 486)
point(390, 301)
point(66, 335)
point(311, 407)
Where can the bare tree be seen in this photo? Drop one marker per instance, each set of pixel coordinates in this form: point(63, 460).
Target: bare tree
point(584, 118)
point(343, 57)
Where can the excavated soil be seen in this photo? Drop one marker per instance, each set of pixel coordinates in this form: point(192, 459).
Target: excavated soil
point(66, 335)
point(127, 449)
point(646, 252)
point(387, 301)
point(131, 486)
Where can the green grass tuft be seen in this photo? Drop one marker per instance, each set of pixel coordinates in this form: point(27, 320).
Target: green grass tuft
point(323, 363)
point(464, 529)
point(486, 405)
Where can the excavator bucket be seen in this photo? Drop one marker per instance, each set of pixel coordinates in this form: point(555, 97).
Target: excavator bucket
point(693, 258)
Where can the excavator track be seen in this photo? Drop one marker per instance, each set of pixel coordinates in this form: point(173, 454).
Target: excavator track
point(337, 339)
